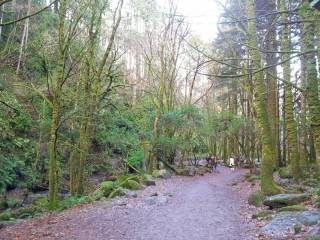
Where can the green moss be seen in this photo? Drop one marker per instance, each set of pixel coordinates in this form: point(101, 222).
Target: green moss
point(253, 178)
point(156, 173)
point(256, 198)
point(293, 208)
point(107, 187)
point(13, 203)
point(132, 185)
point(96, 195)
point(117, 192)
point(312, 238)
point(285, 172)
point(262, 214)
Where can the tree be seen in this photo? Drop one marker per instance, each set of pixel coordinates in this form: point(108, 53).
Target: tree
point(267, 183)
point(291, 126)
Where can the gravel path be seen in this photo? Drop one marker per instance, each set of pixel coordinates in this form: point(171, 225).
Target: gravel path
point(200, 208)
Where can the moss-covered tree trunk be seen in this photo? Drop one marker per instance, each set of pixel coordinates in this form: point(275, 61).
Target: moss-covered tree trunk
point(312, 86)
point(268, 186)
point(91, 90)
point(271, 73)
point(56, 107)
point(290, 123)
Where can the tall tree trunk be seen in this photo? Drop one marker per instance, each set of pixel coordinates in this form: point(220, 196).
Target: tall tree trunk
point(268, 186)
point(312, 89)
point(290, 123)
point(56, 108)
point(271, 74)
point(24, 38)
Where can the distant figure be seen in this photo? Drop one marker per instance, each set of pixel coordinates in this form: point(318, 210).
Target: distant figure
point(214, 163)
point(231, 164)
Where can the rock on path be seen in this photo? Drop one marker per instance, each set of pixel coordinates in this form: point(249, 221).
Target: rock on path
point(200, 208)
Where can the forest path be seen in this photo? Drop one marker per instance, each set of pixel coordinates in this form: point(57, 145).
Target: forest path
point(199, 208)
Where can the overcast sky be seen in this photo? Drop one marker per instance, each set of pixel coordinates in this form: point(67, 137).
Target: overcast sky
point(202, 15)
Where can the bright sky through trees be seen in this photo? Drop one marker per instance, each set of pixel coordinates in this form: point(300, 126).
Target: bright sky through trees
point(202, 15)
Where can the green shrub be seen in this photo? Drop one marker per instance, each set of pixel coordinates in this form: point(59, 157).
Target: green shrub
point(135, 158)
point(256, 198)
point(71, 201)
point(107, 187)
point(13, 203)
point(5, 216)
point(124, 178)
point(27, 212)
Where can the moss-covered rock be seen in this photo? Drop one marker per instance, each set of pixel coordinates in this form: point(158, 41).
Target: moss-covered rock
point(118, 192)
point(203, 170)
point(107, 187)
point(148, 180)
point(97, 195)
point(132, 185)
point(156, 173)
point(256, 198)
point(285, 172)
point(293, 208)
point(282, 200)
point(163, 173)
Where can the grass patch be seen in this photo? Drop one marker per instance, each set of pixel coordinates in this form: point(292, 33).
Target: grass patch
point(256, 198)
point(262, 214)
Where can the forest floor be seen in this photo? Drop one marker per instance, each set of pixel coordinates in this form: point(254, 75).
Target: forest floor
point(213, 206)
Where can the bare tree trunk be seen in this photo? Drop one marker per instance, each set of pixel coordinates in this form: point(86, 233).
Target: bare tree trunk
point(24, 38)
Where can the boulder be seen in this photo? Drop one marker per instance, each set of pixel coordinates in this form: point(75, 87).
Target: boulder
point(187, 171)
point(203, 170)
point(130, 194)
point(283, 182)
point(284, 222)
point(282, 200)
point(156, 173)
point(163, 173)
point(148, 180)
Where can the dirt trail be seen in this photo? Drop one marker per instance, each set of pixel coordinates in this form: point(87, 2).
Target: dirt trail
point(200, 208)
